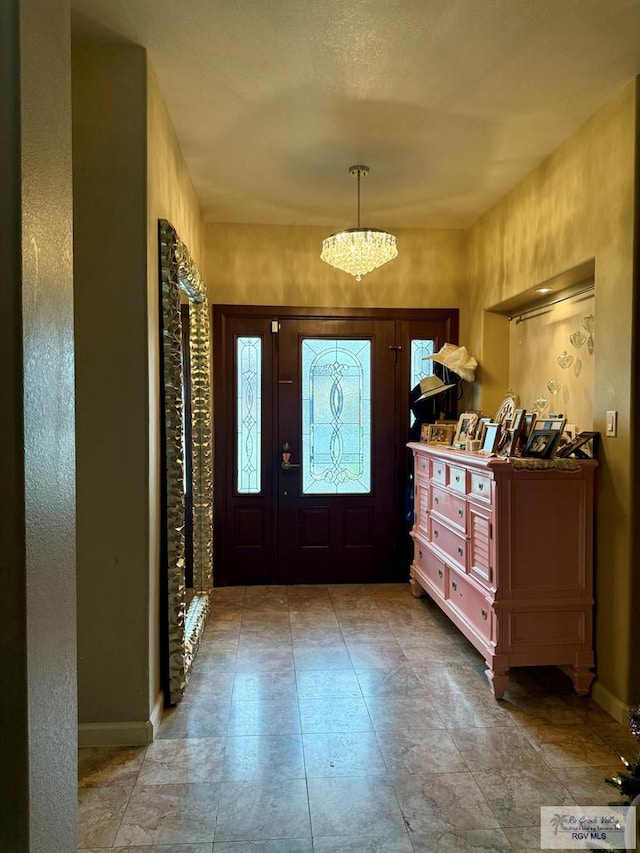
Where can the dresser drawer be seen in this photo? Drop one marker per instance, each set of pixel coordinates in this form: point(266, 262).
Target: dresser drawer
point(457, 479)
point(450, 507)
point(453, 545)
point(480, 486)
point(433, 568)
point(422, 466)
point(472, 605)
point(439, 472)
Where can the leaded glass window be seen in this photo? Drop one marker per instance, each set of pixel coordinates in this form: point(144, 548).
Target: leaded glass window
point(419, 368)
point(248, 414)
point(336, 416)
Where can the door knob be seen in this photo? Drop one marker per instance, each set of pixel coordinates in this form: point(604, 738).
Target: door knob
point(286, 462)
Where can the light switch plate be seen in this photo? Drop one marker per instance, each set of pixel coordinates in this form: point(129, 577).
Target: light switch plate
point(612, 424)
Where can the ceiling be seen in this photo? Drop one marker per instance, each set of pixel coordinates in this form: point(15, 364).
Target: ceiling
point(449, 102)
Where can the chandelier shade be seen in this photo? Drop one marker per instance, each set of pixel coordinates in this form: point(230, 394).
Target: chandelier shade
point(358, 251)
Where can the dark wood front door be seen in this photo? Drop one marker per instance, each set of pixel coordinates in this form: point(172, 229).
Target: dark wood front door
point(311, 420)
point(336, 414)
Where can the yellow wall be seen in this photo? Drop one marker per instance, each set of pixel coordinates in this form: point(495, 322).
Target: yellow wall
point(579, 204)
point(170, 195)
point(279, 265)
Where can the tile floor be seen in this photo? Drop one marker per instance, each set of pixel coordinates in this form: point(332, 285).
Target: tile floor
point(338, 719)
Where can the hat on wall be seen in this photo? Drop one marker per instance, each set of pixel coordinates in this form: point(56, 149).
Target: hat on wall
point(456, 359)
point(430, 386)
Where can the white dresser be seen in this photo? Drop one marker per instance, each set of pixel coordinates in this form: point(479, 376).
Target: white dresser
point(508, 556)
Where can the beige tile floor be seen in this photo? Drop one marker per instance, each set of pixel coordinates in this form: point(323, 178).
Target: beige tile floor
point(338, 719)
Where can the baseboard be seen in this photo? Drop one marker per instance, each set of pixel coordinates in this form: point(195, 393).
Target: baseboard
point(618, 710)
point(135, 733)
point(156, 714)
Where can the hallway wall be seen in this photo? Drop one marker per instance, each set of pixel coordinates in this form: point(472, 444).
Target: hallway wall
point(581, 203)
point(128, 172)
point(37, 490)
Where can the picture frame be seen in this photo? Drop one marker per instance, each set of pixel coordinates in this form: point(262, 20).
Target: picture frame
point(518, 419)
point(440, 433)
point(541, 443)
point(528, 422)
point(491, 435)
point(553, 422)
point(424, 433)
point(583, 446)
point(507, 441)
point(465, 429)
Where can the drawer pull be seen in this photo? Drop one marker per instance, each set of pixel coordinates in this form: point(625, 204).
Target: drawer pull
point(481, 487)
point(439, 573)
point(436, 500)
point(457, 478)
point(439, 471)
point(435, 533)
point(454, 585)
point(420, 554)
point(484, 613)
point(460, 513)
point(460, 551)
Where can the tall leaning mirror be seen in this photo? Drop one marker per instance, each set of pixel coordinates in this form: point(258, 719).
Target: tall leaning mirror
point(188, 464)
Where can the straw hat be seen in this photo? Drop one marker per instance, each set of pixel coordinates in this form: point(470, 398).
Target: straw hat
point(456, 359)
point(430, 386)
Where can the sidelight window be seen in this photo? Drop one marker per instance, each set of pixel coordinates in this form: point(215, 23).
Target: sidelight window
point(248, 414)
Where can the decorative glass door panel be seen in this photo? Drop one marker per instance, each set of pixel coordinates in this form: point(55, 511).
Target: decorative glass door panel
point(336, 416)
point(248, 414)
point(420, 365)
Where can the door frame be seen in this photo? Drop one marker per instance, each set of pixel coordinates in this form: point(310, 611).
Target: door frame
point(448, 317)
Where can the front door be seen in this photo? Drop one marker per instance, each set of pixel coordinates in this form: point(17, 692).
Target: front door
point(311, 421)
point(336, 415)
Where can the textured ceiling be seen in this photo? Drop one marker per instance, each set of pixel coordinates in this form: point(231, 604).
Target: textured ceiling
point(449, 102)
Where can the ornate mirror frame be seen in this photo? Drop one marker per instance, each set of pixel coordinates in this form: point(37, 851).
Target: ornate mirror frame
point(178, 274)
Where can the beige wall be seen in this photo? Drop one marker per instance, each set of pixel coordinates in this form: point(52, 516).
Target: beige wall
point(126, 156)
point(279, 265)
point(579, 204)
point(535, 345)
point(38, 737)
point(109, 163)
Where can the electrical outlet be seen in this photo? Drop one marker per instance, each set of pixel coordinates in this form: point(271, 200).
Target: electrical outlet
point(612, 424)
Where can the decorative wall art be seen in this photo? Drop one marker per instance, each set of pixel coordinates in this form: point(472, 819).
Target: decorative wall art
point(184, 627)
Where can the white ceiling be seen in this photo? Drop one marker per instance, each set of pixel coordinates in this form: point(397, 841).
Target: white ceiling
point(449, 102)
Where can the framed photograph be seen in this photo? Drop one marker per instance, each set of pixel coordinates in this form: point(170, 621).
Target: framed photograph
point(518, 419)
point(507, 441)
point(424, 433)
point(583, 446)
point(528, 422)
point(541, 444)
point(482, 428)
point(555, 422)
point(491, 436)
point(440, 433)
point(467, 423)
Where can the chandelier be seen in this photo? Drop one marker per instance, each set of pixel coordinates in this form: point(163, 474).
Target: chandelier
point(359, 250)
